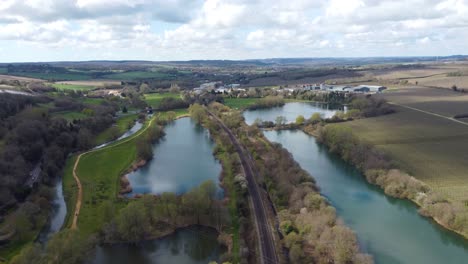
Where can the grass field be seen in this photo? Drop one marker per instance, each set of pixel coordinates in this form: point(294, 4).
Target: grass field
point(100, 172)
point(92, 101)
point(76, 87)
point(132, 75)
point(69, 115)
point(122, 124)
point(239, 103)
point(430, 148)
point(3, 70)
point(154, 99)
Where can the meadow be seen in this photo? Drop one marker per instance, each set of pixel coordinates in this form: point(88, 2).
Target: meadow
point(432, 149)
point(154, 99)
point(76, 87)
point(70, 115)
point(239, 103)
point(99, 172)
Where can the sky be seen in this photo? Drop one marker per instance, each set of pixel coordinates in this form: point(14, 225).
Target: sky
point(162, 30)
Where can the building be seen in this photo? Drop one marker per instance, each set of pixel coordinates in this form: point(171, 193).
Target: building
point(372, 88)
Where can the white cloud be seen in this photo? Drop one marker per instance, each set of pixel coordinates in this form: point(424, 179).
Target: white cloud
point(232, 29)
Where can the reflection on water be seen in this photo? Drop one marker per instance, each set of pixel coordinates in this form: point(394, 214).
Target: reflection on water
point(59, 211)
point(389, 229)
point(182, 160)
point(291, 111)
point(192, 245)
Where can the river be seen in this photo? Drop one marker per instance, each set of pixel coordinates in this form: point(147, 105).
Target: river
point(390, 229)
point(183, 159)
point(59, 207)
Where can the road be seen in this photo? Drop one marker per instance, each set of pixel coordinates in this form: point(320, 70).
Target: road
point(264, 229)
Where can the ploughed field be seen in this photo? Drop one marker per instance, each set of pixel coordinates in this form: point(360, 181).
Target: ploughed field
point(431, 148)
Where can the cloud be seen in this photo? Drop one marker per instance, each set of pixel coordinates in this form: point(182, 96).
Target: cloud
point(232, 29)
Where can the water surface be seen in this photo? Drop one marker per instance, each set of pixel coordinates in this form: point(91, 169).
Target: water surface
point(58, 214)
point(291, 111)
point(192, 245)
point(389, 229)
point(183, 159)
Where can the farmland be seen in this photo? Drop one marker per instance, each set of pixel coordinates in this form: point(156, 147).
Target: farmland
point(132, 75)
point(431, 148)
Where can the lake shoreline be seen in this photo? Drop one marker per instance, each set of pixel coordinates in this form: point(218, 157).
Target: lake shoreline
point(414, 201)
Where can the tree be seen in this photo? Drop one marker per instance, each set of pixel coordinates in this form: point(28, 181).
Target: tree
point(171, 115)
point(315, 118)
point(88, 112)
point(197, 112)
point(68, 246)
point(133, 225)
point(144, 88)
point(85, 139)
point(280, 120)
point(454, 88)
point(124, 109)
point(300, 120)
point(29, 255)
point(144, 149)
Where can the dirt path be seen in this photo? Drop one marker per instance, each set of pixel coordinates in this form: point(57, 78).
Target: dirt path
point(430, 113)
point(263, 228)
point(79, 197)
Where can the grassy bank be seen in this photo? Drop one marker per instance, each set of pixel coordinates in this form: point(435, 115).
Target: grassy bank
point(99, 172)
point(122, 124)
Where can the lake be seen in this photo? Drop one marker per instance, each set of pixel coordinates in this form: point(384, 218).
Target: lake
point(291, 111)
point(191, 245)
point(183, 159)
point(390, 229)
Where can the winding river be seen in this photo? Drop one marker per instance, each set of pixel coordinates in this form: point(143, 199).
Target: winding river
point(389, 229)
point(183, 159)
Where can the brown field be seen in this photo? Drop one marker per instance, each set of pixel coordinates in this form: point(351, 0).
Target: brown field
point(91, 82)
point(432, 149)
point(439, 101)
point(443, 81)
point(19, 78)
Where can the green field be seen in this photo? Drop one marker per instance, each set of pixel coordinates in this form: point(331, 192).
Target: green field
point(154, 99)
point(239, 103)
point(100, 172)
point(3, 70)
point(430, 148)
point(122, 125)
point(132, 75)
point(92, 101)
point(63, 86)
point(70, 115)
